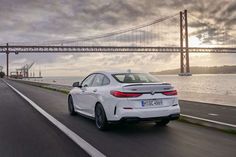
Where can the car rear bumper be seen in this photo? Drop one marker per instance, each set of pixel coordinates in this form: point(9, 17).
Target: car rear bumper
point(170, 112)
point(170, 117)
point(137, 119)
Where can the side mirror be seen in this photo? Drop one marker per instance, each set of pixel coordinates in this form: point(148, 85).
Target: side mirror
point(76, 84)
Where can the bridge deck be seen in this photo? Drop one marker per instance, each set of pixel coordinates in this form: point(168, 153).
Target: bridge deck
point(110, 49)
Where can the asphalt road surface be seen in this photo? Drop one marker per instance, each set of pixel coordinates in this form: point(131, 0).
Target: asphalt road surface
point(24, 132)
point(177, 139)
point(222, 113)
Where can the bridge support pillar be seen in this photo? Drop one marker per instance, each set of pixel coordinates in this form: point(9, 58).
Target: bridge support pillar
point(7, 60)
point(184, 54)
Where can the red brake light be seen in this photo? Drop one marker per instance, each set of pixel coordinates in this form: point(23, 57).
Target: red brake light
point(124, 95)
point(169, 93)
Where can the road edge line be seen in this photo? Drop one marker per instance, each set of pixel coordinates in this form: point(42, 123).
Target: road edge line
point(72, 135)
point(209, 123)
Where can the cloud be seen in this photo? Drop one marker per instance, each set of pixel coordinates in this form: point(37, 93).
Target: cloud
point(45, 20)
point(19, 61)
point(67, 57)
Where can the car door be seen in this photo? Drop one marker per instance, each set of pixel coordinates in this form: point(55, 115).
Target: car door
point(94, 93)
point(83, 96)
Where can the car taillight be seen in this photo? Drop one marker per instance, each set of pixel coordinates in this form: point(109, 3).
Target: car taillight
point(124, 95)
point(169, 93)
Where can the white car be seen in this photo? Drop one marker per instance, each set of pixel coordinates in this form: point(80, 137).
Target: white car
point(115, 97)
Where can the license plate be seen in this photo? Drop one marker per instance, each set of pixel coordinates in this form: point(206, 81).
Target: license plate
point(151, 102)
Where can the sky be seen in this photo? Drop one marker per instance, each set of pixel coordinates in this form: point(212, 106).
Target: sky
point(37, 21)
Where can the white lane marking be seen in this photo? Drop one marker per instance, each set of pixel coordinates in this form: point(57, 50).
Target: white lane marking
point(211, 121)
point(73, 136)
point(213, 114)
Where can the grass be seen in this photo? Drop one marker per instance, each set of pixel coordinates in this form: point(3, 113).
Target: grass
point(54, 89)
point(44, 86)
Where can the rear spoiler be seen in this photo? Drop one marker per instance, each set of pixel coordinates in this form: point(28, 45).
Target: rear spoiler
point(140, 84)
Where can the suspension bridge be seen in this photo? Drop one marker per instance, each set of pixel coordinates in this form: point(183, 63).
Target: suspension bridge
point(170, 34)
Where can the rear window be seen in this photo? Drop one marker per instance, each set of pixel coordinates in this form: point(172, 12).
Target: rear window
point(135, 78)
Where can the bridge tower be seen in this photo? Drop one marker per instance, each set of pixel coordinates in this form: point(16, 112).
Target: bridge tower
point(7, 60)
point(184, 54)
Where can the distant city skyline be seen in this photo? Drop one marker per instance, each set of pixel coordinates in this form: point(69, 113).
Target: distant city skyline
point(45, 20)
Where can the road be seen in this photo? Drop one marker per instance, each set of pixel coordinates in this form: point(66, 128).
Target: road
point(177, 139)
point(222, 113)
point(24, 132)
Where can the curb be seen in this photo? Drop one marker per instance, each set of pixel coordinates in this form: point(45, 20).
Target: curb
point(231, 128)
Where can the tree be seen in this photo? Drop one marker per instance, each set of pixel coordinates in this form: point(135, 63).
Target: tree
point(2, 74)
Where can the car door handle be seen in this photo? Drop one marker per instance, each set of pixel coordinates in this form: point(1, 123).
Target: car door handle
point(95, 90)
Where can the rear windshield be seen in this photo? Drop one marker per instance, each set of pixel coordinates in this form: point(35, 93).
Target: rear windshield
point(135, 78)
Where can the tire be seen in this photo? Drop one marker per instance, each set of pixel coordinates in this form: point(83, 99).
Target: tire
point(163, 122)
point(100, 118)
point(71, 108)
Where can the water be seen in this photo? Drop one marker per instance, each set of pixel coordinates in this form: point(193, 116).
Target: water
point(59, 80)
point(212, 88)
point(221, 84)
